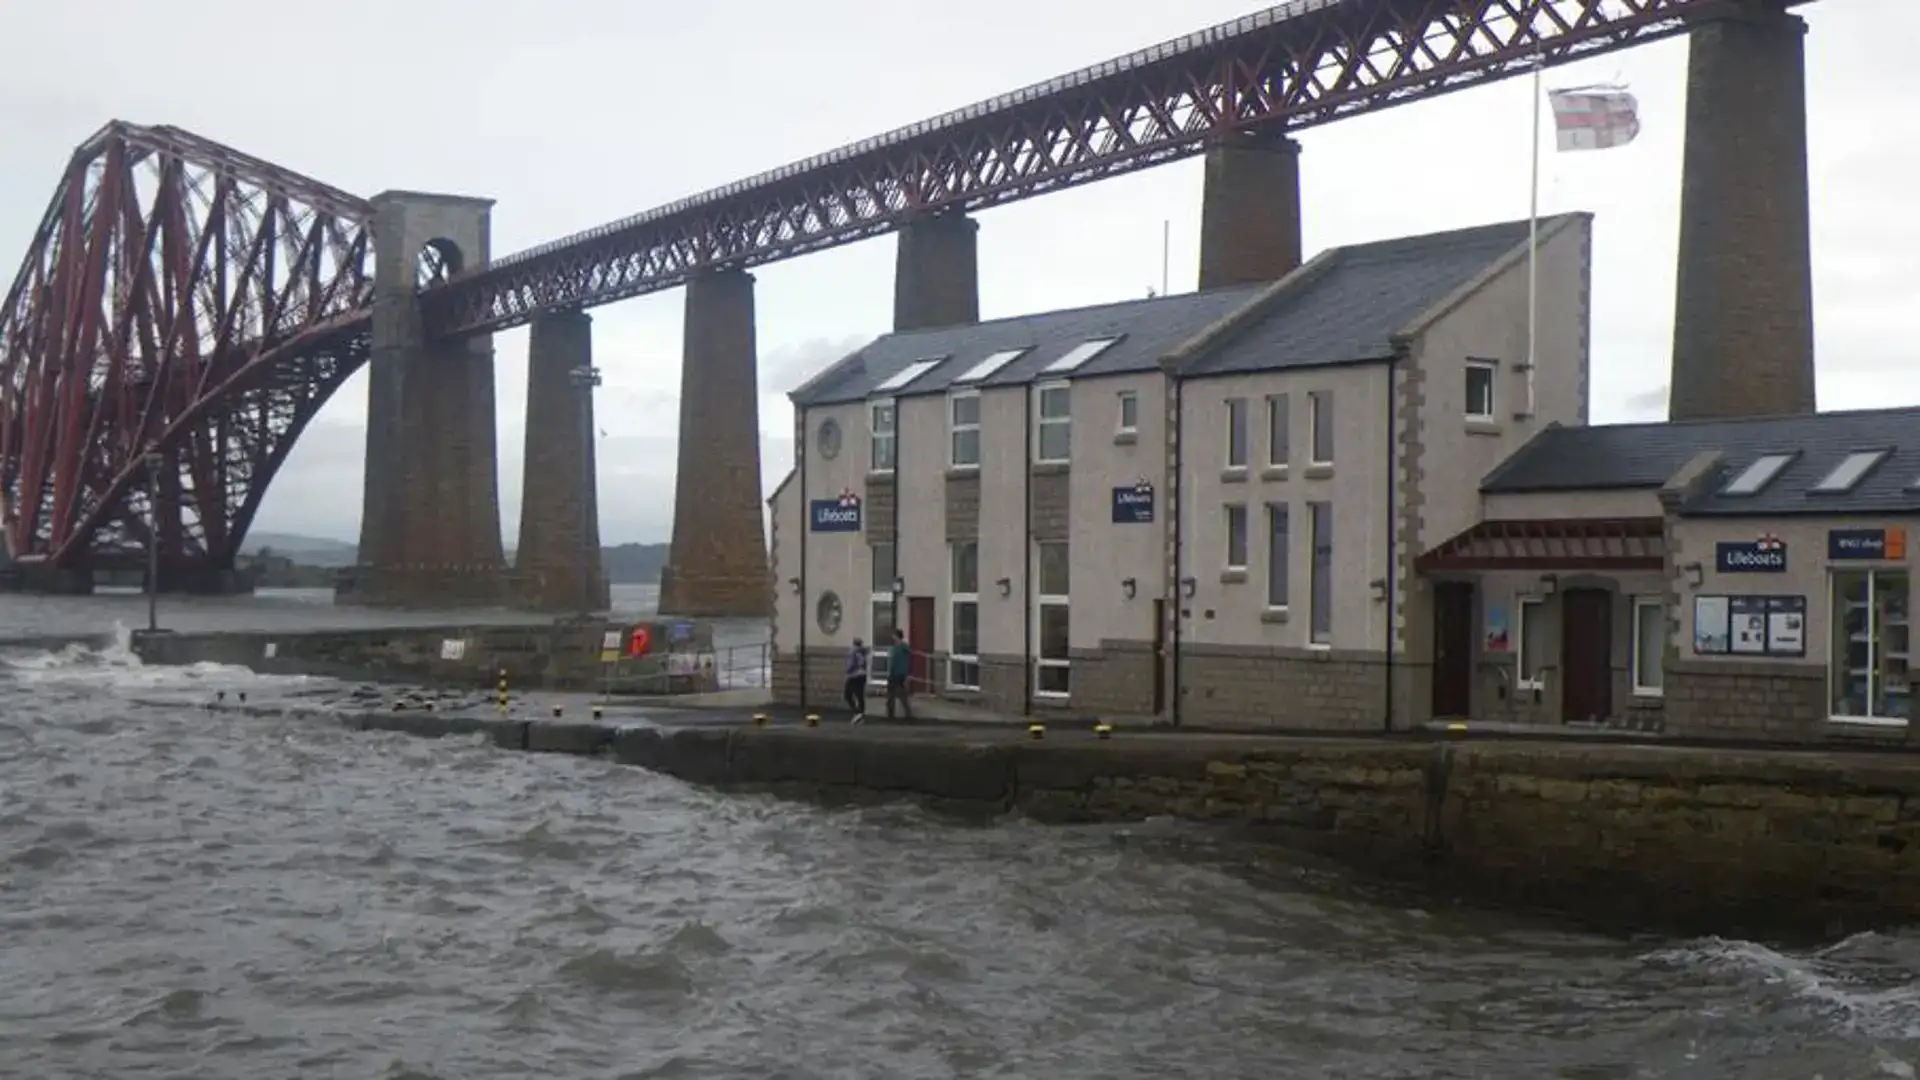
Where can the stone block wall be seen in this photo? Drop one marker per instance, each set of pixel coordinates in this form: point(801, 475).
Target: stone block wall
point(824, 673)
point(1733, 700)
point(1282, 689)
point(1731, 842)
point(1116, 679)
point(1506, 703)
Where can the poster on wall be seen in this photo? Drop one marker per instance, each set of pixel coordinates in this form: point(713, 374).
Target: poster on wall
point(1497, 639)
point(1786, 626)
point(1750, 625)
point(1710, 624)
point(1747, 625)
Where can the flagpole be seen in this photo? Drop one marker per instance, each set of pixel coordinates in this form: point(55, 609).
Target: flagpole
point(1533, 234)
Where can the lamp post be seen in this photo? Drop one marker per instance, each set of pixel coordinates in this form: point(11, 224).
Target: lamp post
point(154, 462)
point(586, 377)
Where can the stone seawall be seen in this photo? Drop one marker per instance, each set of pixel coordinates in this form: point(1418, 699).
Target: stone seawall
point(552, 656)
point(1758, 843)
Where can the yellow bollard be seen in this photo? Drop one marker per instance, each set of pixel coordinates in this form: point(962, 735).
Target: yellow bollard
point(813, 719)
point(1103, 731)
point(1036, 731)
point(760, 719)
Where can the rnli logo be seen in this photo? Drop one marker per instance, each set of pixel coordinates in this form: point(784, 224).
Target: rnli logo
point(838, 514)
point(1766, 554)
point(1133, 504)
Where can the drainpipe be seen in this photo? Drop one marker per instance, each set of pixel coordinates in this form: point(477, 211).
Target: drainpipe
point(806, 526)
point(1393, 470)
point(899, 549)
point(1027, 559)
point(1174, 474)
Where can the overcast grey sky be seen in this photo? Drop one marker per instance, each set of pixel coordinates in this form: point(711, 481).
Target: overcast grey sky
point(575, 112)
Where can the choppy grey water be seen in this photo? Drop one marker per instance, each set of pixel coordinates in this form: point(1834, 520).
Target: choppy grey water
point(192, 894)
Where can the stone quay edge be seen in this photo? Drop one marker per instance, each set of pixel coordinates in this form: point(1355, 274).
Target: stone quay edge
point(1775, 844)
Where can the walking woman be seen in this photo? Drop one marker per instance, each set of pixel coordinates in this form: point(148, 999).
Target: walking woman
point(856, 688)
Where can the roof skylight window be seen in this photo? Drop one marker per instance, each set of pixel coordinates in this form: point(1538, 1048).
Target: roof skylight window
point(1849, 472)
point(1757, 475)
point(985, 369)
point(899, 379)
point(1078, 355)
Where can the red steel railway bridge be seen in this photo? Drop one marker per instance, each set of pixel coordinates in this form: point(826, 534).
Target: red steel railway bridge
point(186, 309)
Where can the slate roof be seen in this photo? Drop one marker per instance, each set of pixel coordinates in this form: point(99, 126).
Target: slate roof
point(1147, 328)
point(1363, 295)
point(1616, 456)
point(1343, 308)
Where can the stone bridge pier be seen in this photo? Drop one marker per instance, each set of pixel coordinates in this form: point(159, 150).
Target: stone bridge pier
point(1250, 210)
point(1743, 306)
point(558, 562)
point(718, 565)
point(430, 517)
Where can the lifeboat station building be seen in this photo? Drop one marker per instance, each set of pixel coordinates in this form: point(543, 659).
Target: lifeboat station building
point(1342, 501)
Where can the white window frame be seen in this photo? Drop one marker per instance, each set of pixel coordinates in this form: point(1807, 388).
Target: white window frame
point(1642, 688)
point(1317, 402)
point(1276, 513)
point(955, 429)
point(1316, 512)
point(956, 660)
point(1041, 421)
point(1837, 663)
point(1238, 453)
point(1492, 372)
point(1278, 452)
point(1521, 604)
point(1123, 426)
point(1227, 515)
point(882, 593)
point(889, 438)
point(1042, 601)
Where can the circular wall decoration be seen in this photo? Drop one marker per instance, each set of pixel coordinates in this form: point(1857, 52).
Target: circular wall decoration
point(828, 439)
point(826, 613)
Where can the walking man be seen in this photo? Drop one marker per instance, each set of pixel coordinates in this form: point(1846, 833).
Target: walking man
point(856, 689)
point(899, 664)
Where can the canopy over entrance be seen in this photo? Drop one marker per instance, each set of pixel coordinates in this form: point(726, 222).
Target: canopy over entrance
point(1553, 544)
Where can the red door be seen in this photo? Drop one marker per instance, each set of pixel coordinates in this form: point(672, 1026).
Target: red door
point(1586, 656)
point(920, 640)
point(1452, 649)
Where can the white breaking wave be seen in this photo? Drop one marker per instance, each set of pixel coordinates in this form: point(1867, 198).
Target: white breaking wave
point(1868, 983)
point(115, 670)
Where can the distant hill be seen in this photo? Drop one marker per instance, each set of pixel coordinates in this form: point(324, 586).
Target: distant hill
point(304, 550)
point(626, 564)
point(634, 564)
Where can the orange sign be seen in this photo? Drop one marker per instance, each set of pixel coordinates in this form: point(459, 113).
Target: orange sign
point(640, 642)
point(1897, 544)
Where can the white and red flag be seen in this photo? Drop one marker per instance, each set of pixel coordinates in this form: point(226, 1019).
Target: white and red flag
point(1594, 117)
